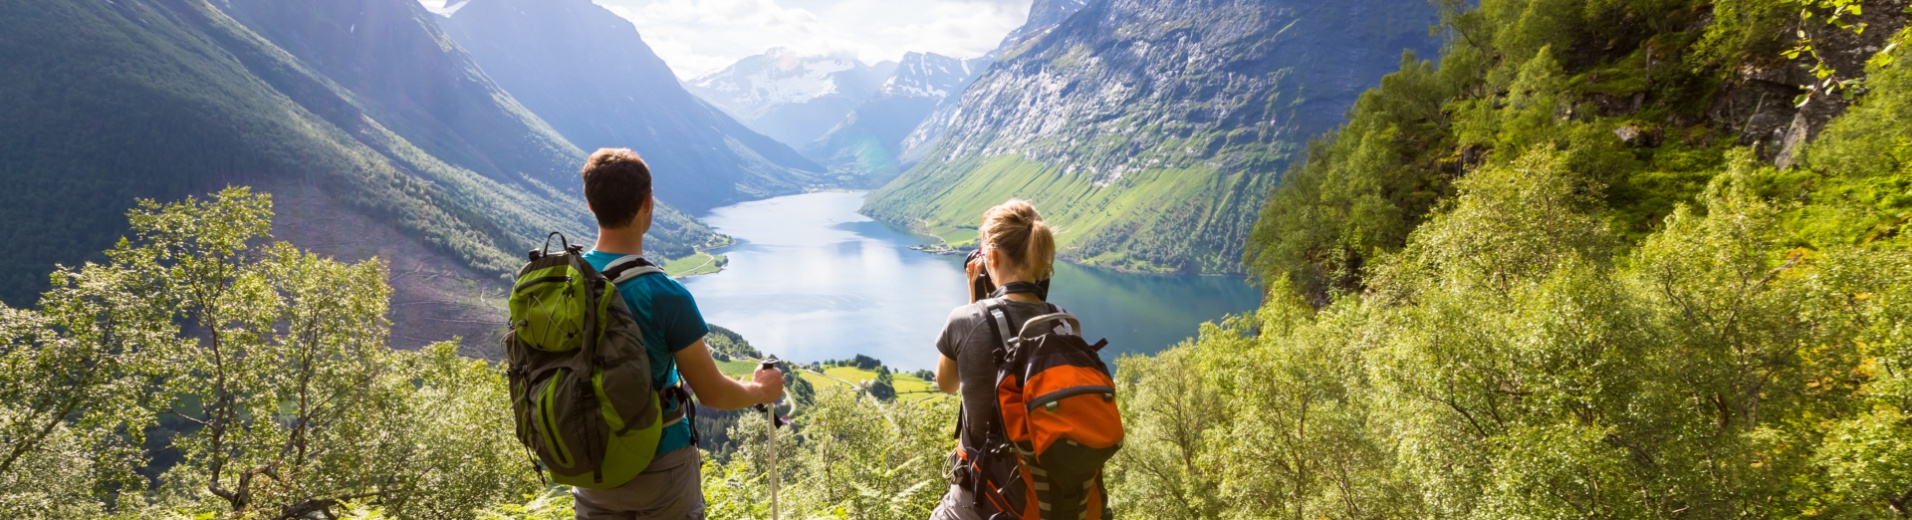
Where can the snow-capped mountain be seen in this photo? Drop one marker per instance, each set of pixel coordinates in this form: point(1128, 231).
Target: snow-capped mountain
point(868, 140)
point(929, 75)
point(791, 97)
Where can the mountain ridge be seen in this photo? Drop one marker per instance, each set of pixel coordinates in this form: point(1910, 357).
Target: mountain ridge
point(868, 142)
point(581, 68)
point(1148, 132)
point(164, 99)
point(791, 97)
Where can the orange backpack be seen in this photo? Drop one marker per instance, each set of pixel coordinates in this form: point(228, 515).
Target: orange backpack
point(1056, 424)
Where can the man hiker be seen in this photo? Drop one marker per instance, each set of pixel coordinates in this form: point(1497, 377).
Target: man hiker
point(617, 186)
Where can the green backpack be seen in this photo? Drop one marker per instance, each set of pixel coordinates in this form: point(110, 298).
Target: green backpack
point(580, 377)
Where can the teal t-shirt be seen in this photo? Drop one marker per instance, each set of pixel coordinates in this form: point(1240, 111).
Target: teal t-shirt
point(670, 322)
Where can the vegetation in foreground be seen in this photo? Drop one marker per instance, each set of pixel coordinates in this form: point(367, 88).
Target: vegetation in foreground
point(1497, 294)
point(207, 371)
point(1536, 341)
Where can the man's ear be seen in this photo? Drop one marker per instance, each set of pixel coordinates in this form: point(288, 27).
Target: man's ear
point(649, 205)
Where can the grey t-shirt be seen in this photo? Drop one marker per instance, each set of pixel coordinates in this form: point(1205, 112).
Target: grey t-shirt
point(968, 339)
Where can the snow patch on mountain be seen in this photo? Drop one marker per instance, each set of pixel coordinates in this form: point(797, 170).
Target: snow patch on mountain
point(780, 77)
point(928, 75)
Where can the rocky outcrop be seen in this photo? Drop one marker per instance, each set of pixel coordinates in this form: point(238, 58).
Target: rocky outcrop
point(1761, 102)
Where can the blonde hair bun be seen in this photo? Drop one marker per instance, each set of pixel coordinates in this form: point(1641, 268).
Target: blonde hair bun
point(1017, 229)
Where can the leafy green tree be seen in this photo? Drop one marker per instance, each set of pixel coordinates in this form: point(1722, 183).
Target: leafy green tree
point(848, 455)
point(273, 359)
point(884, 387)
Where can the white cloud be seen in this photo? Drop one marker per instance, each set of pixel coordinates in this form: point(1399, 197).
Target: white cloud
point(700, 36)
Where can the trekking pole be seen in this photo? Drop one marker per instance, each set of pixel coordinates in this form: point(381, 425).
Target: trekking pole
point(775, 422)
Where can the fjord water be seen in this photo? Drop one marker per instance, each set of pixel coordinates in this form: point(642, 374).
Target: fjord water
point(810, 279)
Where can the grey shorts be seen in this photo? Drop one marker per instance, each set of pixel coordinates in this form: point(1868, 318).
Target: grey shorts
point(958, 504)
point(671, 489)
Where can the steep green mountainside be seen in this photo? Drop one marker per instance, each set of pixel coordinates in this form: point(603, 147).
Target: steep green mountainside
point(1148, 131)
point(406, 74)
point(1643, 99)
point(1601, 260)
point(588, 73)
point(109, 101)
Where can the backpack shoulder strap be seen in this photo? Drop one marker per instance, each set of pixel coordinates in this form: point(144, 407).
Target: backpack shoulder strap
point(998, 319)
point(628, 268)
point(1067, 324)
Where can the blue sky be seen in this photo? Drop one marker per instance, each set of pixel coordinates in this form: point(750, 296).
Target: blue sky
point(701, 36)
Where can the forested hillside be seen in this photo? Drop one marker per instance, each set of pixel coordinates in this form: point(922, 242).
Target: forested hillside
point(109, 101)
point(1600, 260)
point(1149, 131)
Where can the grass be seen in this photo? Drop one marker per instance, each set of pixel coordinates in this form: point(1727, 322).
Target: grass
point(909, 388)
point(693, 265)
point(909, 384)
point(852, 375)
point(821, 381)
point(737, 368)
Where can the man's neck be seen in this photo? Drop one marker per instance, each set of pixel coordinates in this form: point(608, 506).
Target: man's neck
point(626, 241)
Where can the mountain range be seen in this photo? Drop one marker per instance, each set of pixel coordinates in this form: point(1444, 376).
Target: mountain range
point(1150, 131)
point(446, 141)
point(791, 97)
point(588, 73)
point(868, 140)
point(375, 132)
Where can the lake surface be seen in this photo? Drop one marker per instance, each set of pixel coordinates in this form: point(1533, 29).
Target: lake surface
point(811, 279)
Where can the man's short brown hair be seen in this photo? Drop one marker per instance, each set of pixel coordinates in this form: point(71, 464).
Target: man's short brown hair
point(616, 183)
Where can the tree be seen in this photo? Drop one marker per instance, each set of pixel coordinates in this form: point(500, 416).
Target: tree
point(884, 387)
point(273, 358)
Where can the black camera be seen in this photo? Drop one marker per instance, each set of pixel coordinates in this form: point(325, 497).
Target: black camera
point(982, 286)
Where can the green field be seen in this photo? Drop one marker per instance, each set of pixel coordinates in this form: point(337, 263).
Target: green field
point(909, 383)
point(737, 368)
point(909, 388)
point(851, 375)
point(693, 265)
point(821, 381)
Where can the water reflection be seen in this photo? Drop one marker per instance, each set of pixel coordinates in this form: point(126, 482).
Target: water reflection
point(810, 279)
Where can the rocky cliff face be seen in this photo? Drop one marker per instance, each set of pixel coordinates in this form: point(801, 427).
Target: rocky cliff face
point(1760, 101)
point(588, 73)
point(1151, 130)
point(1044, 15)
point(790, 97)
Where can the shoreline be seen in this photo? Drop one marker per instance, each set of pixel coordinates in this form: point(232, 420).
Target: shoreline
point(945, 249)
